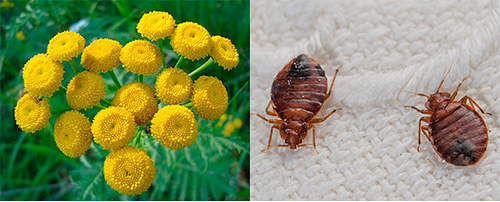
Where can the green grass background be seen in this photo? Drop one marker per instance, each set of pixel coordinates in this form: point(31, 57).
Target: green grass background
point(32, 167)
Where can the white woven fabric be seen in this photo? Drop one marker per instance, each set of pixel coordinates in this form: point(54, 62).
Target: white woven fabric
point(368, 150)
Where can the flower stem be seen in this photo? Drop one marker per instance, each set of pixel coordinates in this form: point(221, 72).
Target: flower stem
point(113, 76)
point(188, 105)
point(160, 46)
point(106, 101)
point(98, 106)
point(208, 63)
point(59, 111)
point(239, 91)
point(181, 59)
point(73, 65)
point(141, 79)
point(62, 88)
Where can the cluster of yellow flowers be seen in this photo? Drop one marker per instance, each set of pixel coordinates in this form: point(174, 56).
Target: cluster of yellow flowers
point(127, 169)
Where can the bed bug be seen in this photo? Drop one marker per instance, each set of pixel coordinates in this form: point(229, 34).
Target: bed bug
point(297, 94)
point(456, 131)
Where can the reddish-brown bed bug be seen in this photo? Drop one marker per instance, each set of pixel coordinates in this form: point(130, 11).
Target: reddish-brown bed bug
point(297, 94)
point(456, 130)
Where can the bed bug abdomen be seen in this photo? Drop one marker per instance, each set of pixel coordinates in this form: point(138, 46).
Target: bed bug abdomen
point(460, 137)
point(299, 89)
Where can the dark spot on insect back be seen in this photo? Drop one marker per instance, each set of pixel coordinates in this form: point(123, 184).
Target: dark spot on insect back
point(300, 68)
point(461, 152)
point(320, 70)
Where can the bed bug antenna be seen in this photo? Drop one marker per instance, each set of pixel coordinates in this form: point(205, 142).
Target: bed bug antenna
point(419, 94)
point(442, 81)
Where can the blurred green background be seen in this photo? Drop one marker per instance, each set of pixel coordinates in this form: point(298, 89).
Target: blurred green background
point(215, 167)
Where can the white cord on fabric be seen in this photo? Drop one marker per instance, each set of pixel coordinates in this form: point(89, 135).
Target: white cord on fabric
point(368, 149)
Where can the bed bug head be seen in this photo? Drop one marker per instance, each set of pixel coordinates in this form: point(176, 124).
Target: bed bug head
point(292, 132)
point(439, 99)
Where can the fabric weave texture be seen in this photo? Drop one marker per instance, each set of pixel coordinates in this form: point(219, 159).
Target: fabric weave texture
point(368, 150)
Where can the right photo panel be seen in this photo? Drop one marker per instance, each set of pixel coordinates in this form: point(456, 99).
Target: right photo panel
point(374, 100)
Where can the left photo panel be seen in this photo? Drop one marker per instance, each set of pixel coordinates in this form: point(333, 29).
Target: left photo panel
point(125, 100)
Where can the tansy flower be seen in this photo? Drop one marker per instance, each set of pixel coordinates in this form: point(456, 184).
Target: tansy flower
point(209, 97)
point(224, 53)
point(156, 25)
point(66, 45)
point(85, 90)
point(237, 123)
point(20, 35)
point(191, 40)
point(42, 75)
point(32, 114)
point(228, 129)
point(72, 133)
point(113, 127)
point(141, 57)
point(129, 170)
point(173, 85)
point(139, 99)
point(174, 126)
point(101, 55)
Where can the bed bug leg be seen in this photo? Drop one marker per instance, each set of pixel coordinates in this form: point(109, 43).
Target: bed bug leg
point(270, 112)
point(421, 111)
point(273, 121)
point(331, 85)
point(455, 93)
point(319, 120)
point(423, 129)
point(277, 126)
point(314, 138)
point(472, 103)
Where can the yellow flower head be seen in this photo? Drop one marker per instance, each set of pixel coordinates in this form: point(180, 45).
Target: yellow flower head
point(228, 129)
point(113, 127)
point(191, 40)
point(32, 114)
point(42, 75)
point(173, 86)
point(238, 123)
point(65, 46)
point(85, 90)
point(209, 97)
point(174, 126)
point(72, 133)
point(141, 57)
point(139, 99)
point(20, 35)
point(101, 55)
point(224, 53)
point(156, 25)
point(129, 170)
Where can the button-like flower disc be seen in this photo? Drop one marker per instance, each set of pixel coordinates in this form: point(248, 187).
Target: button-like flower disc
point(191, 40)
point(174, 126)
point(42, 75)
point(101, 56)
point(129, 170)
point(66, 45)
point(141, 57)
point(32, 114)
point(113, 127)
point(173, 86)
point(209, 97)
point(85, 90)
point(224, 53)
point(156, 25)
point(139, 99)
point(72, 133)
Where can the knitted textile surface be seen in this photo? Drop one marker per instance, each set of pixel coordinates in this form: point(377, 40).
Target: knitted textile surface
point(368, 150)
